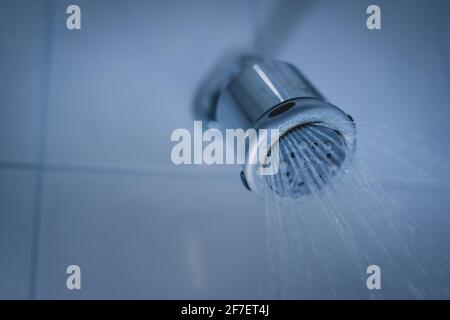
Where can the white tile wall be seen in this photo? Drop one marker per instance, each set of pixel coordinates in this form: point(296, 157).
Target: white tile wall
point(16, 225)
point(117, 89)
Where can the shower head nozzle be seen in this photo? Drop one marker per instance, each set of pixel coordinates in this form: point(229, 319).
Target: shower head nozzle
point(310, 155)
point(316, 139)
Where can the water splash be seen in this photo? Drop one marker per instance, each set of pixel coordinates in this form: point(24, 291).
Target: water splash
point(321, 243)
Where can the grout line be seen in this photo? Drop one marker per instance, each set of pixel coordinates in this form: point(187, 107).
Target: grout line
point(200, 172)
point(167, 171)
point(42, 143)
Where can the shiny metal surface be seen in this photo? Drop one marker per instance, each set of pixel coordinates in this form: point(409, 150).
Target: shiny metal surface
point(263, 84)
point(271, 94)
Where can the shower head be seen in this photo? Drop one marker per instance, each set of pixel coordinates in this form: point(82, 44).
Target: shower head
point(316, 139)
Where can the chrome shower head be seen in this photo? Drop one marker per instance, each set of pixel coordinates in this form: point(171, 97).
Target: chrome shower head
point(316, 139)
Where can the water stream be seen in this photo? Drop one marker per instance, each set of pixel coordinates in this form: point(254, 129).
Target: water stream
point(388, 208)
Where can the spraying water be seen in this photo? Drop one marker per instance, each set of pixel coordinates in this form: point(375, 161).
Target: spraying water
point(329, 216)
point(321, 243)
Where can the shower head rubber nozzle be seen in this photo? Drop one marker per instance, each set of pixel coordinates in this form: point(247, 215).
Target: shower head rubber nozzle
point(317, 140)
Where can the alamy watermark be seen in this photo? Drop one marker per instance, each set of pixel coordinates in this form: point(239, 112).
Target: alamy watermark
point(374, 280)
point(73, 281)
point(373, 22)
point(237, 146)
point(73, 21)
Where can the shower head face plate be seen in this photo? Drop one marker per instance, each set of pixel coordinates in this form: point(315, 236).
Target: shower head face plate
point(317, 142)
point(310, 155)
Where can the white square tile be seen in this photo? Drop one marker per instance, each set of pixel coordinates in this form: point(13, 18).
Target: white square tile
point(126, 80)
point(151, 237)
point(22, 46)
point(16, 226)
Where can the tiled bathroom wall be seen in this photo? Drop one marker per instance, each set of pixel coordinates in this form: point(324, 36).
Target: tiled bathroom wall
point(86, 118)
